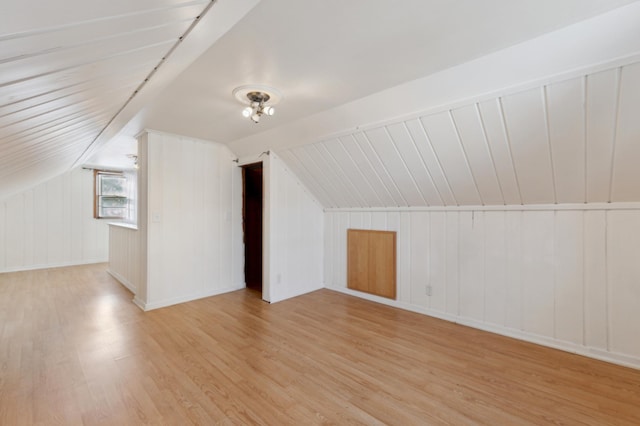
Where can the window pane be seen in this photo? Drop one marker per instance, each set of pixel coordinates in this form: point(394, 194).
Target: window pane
point(113, 202)
point(113, 185)
point(112, 212)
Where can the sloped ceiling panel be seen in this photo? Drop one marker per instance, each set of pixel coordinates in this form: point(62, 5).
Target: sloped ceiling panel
point(572, 141)
point(63, 80)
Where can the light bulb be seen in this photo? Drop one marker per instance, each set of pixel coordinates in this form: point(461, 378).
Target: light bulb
point(255, 117)
point(269, 110)
point(247, 112)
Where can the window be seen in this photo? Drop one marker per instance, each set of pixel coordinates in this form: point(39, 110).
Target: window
point(111, 201)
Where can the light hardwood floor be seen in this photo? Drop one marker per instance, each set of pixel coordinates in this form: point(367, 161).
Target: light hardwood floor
point(75, 350)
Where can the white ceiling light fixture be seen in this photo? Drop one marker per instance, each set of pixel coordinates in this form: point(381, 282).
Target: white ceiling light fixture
point(260, 100)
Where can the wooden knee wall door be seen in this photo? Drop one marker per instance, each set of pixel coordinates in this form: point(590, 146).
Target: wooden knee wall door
point(371, 262)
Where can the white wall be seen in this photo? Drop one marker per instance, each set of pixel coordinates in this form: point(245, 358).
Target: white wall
point(191, 206)
point(295, 224)
point(567, 277)
point(52, 225)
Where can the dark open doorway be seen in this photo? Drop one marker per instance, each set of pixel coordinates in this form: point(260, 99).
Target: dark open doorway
point(252, 224)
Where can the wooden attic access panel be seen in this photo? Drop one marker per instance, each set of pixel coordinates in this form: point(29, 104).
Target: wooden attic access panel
point(371, 262)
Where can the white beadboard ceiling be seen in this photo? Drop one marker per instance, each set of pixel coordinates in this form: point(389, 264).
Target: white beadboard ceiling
point(571, 141)
point(74, 90)
point(73, 72)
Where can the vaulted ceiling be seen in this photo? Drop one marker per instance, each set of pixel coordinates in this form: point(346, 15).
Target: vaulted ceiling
point(573, 141)
point(78, 80)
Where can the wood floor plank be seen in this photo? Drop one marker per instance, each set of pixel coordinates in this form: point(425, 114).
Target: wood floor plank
point(74, 349)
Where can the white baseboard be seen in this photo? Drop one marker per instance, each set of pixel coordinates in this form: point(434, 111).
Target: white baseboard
point(591, 352)
point(148, 306)
point(297, 292)
point(53, 265)
point(125, 282)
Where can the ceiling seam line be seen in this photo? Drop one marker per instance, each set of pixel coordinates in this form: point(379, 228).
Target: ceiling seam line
point(311, 178)
point(585, 129)
point(30, 33)
point(341, 169)
point(357, 167)
point(148, 77)
point(375, 172)
point(385, 169)
point(435, 155)
point(507, 137)
point(464, 155)
point(404, 163)
point(488, 146)
point(424, 164)
point(325, 166)
point(614, 136)
point(545, 108)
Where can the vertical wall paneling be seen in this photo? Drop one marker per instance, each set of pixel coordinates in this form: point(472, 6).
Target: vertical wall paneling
point(626, 173)
point(623, 276)
point(566, 111)
point(452, 255)
point(192, 220)
point(538, 273)
point(437, 278)
point(514, 259)
point(296, 230)
point(419, 256)
point(569, 279)
point(595, 279)
point(52, 225)
point(495, 289)
point(561, 277)
point(471, 265)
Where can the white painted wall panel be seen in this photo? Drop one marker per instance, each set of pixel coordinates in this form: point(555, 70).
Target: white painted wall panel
point(513, 263)
point(626, 173)
point(566, 278)
point(495, 289)
point(569, 276)
point(452, 285)
point(438, 261)
point(476, 148)
point(471, 264)
point(537, 273)
point(601, 106)
point(527, 130)
point(566, 111)
point(46, 226)
point(419, 255)
point(595, 279)
point(623, 247)
point(296, 230)
point(192, 220)
point(446, 144)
